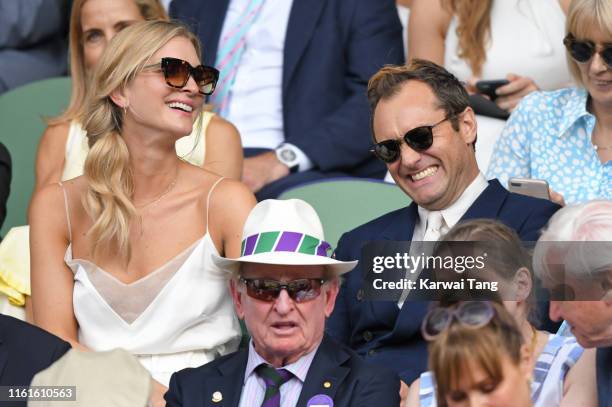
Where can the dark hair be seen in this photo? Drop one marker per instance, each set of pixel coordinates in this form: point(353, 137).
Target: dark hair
point(450, 92)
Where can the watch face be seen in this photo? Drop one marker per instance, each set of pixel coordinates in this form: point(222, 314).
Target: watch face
point(287, 155)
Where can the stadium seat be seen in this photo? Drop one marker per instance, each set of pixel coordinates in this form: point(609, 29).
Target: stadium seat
point(345, 203)
point(22, 116)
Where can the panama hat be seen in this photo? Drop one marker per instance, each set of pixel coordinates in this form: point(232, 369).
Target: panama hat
point(284, 232)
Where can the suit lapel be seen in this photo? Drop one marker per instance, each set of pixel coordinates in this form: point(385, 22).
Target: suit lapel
point(489, 203)
point(302, 22)
point(326, 373)
point(212, 16)
point(228, 385)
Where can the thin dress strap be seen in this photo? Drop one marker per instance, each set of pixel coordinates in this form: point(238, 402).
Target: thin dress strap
point(208, 198)
point(67, 210)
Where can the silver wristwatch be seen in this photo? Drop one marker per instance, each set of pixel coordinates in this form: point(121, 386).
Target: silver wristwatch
point(287, 155)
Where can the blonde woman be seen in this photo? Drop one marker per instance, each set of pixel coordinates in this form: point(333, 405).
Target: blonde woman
point(121, 256)
point(63, 147)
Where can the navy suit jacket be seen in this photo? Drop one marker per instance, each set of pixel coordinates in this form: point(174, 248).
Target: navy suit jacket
point(604, 376)
point(24, 351)
point(332, 48)
point(379, 330)
point(353, 384)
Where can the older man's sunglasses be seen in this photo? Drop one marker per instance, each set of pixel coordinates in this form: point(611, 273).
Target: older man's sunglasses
point(177, 72)
point(301, 290)
point(419, 139)
point(583, 51)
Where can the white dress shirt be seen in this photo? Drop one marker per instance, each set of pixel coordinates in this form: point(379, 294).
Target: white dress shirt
point(254, 387)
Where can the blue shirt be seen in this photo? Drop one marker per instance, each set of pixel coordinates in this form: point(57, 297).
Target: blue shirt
point(548, 137)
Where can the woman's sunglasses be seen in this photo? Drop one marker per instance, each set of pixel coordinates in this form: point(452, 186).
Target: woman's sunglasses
point(301, 290)
point(583, 51)
point(473, 314)
point(419, 139)
point(177, 73)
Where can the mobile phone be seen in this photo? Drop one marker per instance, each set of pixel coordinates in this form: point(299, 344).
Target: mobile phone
point(489, 87)
point(537, 188)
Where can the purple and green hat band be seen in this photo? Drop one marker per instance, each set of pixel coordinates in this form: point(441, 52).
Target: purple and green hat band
point(282, 241)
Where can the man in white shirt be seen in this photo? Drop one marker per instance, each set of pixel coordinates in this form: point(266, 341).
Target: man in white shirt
point(425, 132)
point(293, 81)
point(284, 286)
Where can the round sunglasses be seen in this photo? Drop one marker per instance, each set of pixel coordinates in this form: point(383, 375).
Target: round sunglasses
point(177, 72)
point(300, 290)
point(419, 139)
point(582, 50)
point(473, 314)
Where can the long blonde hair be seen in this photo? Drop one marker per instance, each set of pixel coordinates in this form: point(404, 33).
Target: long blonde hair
point(107, 170)
point(473, 30)
point(149, 9)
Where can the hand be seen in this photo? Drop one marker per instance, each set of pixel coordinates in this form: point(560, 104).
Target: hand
point(261, 170)
point(511, 94)
point(556, 197)
point(403, 393)
point(157, 394)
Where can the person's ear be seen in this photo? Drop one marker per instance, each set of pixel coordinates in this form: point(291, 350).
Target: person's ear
point(331, 293)
point(237, 297)
point(606, 285)
point(522, 284)
point(120, 98)
point(467, 125)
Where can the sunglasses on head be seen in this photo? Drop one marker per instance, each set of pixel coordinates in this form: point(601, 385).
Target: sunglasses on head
point(177, 72)
point(473, 314)
point(583, 51)
point(419, 139)
point(301, 290)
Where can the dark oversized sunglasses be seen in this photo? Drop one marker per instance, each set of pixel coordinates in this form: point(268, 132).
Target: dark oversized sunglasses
point(177, 72)
point(583, 51)
point(419, 139)
point(473, 314)
point(301, 290)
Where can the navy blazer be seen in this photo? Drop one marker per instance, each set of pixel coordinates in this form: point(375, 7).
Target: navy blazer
point(332, 48)
point(24, 351)
point(378, 330)
point(604, 376)
point(353, 384)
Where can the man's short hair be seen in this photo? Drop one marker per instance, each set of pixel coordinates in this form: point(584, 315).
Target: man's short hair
point(450, 92)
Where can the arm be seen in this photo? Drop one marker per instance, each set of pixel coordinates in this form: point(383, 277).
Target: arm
point(512, 153)
point(230, 205)
point(223, 153)
point(580, 385)
point(413, 394)
point(383, 389)
point(341, 139)
point(50, 155)
point(24, 23)
point(52, 281)
point(427, 27)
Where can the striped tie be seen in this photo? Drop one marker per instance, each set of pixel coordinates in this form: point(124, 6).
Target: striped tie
point(274, 379)
point(230, 52)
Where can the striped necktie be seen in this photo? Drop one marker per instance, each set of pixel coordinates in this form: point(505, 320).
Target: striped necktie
point(274, 379)
point(231, 48)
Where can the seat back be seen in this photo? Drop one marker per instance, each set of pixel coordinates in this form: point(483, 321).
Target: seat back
point(22, 121)
point(345, 203)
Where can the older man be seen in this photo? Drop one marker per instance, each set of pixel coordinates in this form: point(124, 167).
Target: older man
point(425, 132)
point(284, 286)
point(575, 253)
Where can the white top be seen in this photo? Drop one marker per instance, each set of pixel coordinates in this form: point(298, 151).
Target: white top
point(255, 99)
point(254, 387)
point(178, 316)
point(526, 39)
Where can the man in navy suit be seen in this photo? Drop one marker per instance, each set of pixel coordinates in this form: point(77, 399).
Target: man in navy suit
point(426, 135)
point(24, 351)
point(284, 286)
point(298, 93)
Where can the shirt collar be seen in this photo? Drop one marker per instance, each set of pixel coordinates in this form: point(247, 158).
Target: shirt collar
point(457, 209)
point(574, 109)
point(299, 368)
